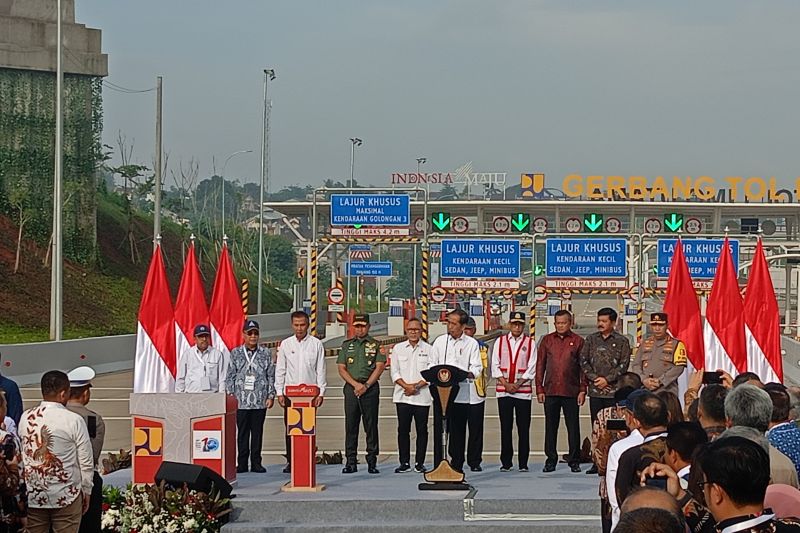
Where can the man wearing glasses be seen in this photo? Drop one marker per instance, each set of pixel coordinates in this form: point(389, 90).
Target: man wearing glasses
point(251, 378)
point(412, 399)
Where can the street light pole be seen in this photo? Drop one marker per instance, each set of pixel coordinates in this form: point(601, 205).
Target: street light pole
point(56, 279)
point(158, 169)
point(354, 141)
point(223, 184)
point(269, 75)
point(420, 162)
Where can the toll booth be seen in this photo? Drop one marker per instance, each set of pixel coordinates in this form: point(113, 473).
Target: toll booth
point(396, 320)
point(476, 311)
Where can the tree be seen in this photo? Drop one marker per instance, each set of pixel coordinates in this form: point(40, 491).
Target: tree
point(134, 185)
point(19, 196)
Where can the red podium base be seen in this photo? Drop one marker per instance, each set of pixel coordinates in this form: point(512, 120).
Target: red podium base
point(301, 426)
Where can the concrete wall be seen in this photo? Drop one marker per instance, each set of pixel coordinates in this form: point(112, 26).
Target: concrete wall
point(27, 362)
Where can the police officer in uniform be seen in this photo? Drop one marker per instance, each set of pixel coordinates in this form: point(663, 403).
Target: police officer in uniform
point(661, 358)
point(80, 384)
point(361, 364)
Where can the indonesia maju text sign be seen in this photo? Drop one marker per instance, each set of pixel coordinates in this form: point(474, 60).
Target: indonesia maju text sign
point(480, 258)
point(586, 258)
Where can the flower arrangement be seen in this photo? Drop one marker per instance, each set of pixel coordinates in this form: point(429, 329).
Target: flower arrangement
point(157, 508)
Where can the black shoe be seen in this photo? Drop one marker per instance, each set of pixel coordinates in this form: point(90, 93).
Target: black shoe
point(402, 469)
point(592, 470)
point(575, 468)
point(477, 468)
point(349, 469)
point(372, 469)
point(258, 469)
point(523, 469)
point(287, 469)
point(505, 469)
point(241, 469)
point(420, 468)
point(548, 467)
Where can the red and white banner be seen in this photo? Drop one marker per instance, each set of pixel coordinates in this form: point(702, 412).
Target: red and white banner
point(190, 307)
point(723, 334)
point(227, 315)
point(586, 283)
point(155, 362)
point(479, 284)
point(762, 322)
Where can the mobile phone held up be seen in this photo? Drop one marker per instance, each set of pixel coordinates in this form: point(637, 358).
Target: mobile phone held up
point(711, 378)
point(616, 424)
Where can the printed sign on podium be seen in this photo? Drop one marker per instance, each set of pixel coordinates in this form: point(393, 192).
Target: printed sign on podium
point(301, 427)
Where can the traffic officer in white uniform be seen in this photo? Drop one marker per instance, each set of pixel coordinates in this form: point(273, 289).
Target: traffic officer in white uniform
point(201, 368)
point(412, 399)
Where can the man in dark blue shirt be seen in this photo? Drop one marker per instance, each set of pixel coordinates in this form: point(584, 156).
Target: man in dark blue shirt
point(13, 398)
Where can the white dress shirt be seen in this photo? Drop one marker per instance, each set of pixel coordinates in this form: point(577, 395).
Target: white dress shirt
point(530, 370)
point(463, 353)
point(300, 362)
point(406, 363)
point(201, 371)
point(614, 453)
point(56, 454)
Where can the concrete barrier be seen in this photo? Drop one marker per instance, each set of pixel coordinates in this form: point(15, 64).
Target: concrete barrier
point(26, 363)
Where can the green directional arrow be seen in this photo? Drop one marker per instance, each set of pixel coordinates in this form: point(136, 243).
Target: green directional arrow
point(521, 221)
point(441, 221)
point(357, 226)
point(593, 222)
point(673, 221)
point(539, 270)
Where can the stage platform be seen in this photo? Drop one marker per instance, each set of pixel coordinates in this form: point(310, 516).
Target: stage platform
point(558, 502)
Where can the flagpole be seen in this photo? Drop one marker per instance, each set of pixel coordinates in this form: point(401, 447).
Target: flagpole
point(56, 279)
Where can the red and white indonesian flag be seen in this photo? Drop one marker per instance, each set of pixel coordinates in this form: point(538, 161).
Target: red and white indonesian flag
point(723, 333)
point(155, 363)
point(762, 322)
point(227, 315)
point(190, 307)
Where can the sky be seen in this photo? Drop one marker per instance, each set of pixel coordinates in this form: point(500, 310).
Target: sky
point(626, 87)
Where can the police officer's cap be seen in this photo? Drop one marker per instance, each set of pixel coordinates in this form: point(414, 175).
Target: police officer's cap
point(658, 318)
point(201, 329)
point(361, 319)
point(517, 316)
point(251, 325)
point(471, 323)
point(80, 377)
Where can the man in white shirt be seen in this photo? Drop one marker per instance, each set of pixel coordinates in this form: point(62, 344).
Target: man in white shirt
point(616, 451)
point(411, 397)
point(458, 349)
point(201, 368)
point(514, 368)
point(301, 361)
point(477, 404)
point(57, 458)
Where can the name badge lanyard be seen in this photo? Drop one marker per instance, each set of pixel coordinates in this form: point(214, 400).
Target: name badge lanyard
point(202, 362)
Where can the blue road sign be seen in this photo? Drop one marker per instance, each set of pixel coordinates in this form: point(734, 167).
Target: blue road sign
point(370, 268)
point(370, 209)
point(702, 256)
point(526, 253)
point(360, 247)
point(586, 258)
point(480, 258)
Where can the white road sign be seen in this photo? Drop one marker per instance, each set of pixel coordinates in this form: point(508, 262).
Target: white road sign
point(501, 224)
point(693, 225)
point(573, 225)
point(652, 225)
point(613, 225)
point(539, 225)
point(460, 225)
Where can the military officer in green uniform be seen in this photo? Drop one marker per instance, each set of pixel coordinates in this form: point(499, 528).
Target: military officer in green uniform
point(361, 364)
point(661, 358)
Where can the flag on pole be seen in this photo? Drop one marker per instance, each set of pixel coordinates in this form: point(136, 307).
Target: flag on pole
point(762, 322)
point(683, 311)
point(155, 363)
point(190, 307)
point(227, 315)
point(723, 333)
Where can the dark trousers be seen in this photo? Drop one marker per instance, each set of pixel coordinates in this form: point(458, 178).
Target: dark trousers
point(355, 410)
point(405, 414)
point(509, 408)
point(475, 434)
point(90, 522)
point(250, 432)
point(458, 415)
point(553, 405)
point(598, 404)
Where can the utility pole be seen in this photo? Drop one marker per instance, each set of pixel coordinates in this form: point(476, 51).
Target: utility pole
point(269, 74)
point(56, 279)
point(158, 169)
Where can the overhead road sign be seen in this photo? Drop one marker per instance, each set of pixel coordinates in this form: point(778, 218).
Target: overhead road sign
point(480, 284)
point(586, 258)
point(702, 256)
point(540, 293)
point(593, 222)
point(480, 258)
point(652, 225)
point(573, 225)
point(370, 268)
point(673, 222)
point(335, 295)
point(460, 225)
point(369, 232)
point(441, 221)
point(500, 224)
point(586, 284)
point(360, 251)
point(521, 222)
point(699, 284)
point(438, 294)
point(693, 226)
point(526, 253)
point(613, 225)
point(370, 209)
point(539, 225)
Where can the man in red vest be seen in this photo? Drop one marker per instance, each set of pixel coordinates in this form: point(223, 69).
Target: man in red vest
point(514, 366)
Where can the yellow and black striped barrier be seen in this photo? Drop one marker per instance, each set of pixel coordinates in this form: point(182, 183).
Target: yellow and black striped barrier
point(340, 286)
point(245, 295)
point(639, 324)
point(532, 322)
point(313, 295)
point(425, 289)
